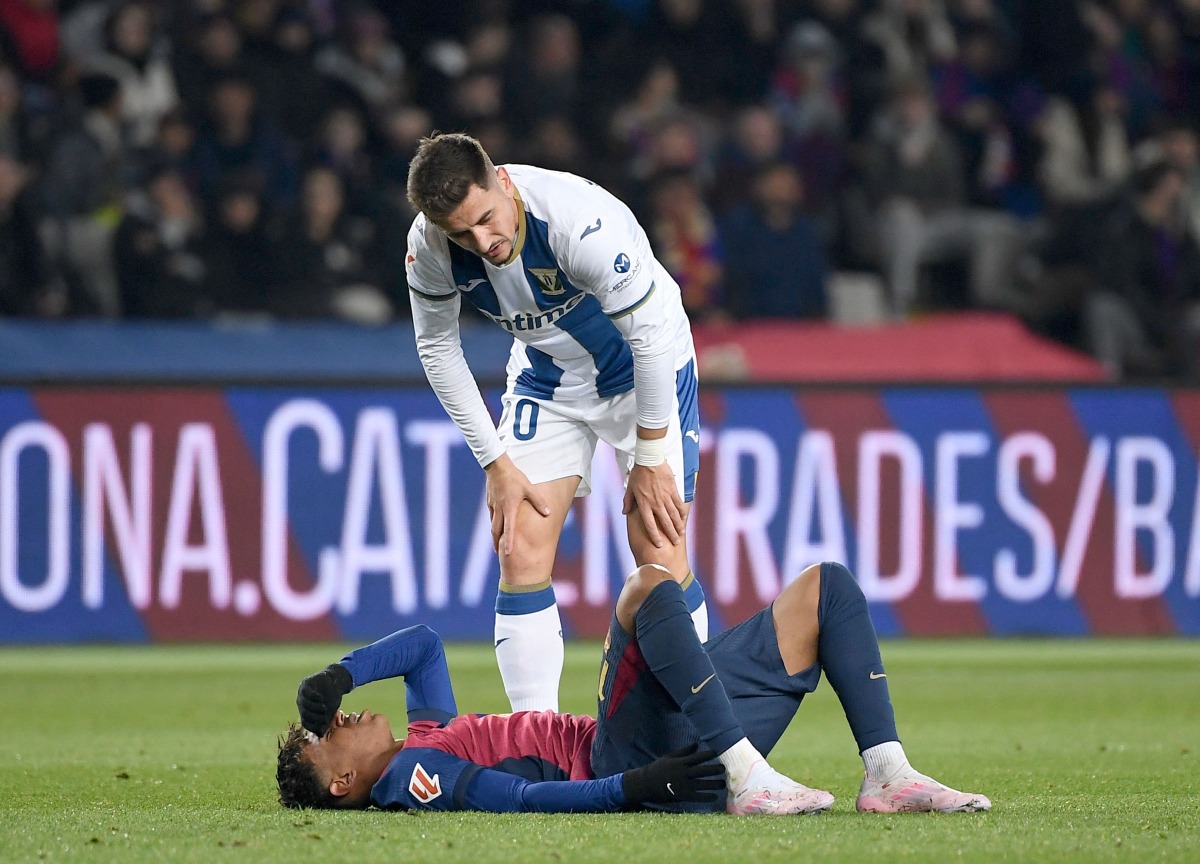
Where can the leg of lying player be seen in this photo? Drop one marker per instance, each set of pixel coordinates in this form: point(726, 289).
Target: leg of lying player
point(652, 608)
point(822, 617)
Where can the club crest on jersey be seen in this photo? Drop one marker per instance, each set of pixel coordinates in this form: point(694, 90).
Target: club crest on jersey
point(548, 278)
point(423, 787)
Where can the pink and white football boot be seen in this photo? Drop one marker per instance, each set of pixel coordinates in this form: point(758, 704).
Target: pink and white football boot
point(911, 792)
point(766, 792)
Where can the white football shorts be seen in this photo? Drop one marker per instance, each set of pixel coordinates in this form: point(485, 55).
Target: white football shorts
point(550, 439)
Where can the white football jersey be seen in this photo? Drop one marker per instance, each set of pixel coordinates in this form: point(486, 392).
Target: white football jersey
point(590, 308)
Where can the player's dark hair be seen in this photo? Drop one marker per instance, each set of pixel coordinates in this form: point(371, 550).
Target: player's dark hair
point(445, 167)
point(299, 785)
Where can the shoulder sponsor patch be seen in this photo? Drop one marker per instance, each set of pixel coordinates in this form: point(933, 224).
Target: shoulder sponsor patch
point(423, 787)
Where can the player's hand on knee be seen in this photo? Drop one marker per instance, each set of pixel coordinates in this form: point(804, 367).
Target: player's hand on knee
point(652, 492)
point(507, 488)
point(689, 774)
point(320, 696)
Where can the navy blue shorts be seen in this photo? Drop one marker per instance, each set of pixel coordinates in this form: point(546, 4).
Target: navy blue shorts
point(638, 721)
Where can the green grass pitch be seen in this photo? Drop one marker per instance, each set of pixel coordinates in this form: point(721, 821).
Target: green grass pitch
point(1088, 749)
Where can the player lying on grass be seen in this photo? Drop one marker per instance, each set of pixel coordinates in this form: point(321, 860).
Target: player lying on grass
point(660, 690)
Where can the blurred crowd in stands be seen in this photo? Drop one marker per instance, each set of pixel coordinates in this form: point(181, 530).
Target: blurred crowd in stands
point(213, 158)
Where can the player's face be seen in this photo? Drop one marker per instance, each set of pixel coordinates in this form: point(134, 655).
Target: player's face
point(486, 221)
point(353, 740)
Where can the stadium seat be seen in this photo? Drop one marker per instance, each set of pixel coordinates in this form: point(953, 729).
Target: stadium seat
point(857, 299)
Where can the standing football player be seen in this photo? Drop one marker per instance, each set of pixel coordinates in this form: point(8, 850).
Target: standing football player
point(602, 350)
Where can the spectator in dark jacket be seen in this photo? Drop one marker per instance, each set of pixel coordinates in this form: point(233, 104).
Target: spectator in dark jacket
point(775, 266)
point(26, 285)
point(158, 252)
point(325, 257)
point(1143, 321)
point(237, 251)
point(239, 137)
point(208, 51)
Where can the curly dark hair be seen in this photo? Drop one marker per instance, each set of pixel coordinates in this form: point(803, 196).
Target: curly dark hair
point(296, 776)
point(445, 167)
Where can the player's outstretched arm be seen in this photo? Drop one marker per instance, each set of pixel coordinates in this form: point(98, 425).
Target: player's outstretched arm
point(687, 775)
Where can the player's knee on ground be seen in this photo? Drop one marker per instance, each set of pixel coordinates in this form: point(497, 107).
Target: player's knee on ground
point(638, 586)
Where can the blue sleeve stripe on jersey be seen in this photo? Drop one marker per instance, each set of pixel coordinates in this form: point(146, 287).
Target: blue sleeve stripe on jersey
point(628, 310)
point(429, 296)
point(588, 326)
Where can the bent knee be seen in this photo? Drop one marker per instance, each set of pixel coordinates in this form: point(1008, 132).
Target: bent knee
point(638, 586)
point(809, 575)
point(838, 582)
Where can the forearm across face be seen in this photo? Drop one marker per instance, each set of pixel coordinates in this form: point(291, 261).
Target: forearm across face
point(416, 654)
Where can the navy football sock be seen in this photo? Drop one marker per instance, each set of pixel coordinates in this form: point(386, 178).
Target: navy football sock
point(848, 651)
point(667, 639)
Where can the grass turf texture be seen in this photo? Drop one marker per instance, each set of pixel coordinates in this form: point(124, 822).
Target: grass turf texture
point(1088, 749)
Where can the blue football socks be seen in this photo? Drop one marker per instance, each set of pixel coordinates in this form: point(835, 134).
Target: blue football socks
point(673, 652)
point(848, 651)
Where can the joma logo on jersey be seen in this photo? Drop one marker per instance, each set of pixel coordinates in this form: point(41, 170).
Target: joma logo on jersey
point(524, 322)
point(423, 787)
point(548, 278)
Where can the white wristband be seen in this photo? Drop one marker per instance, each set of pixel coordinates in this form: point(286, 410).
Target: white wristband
point(650, 451)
